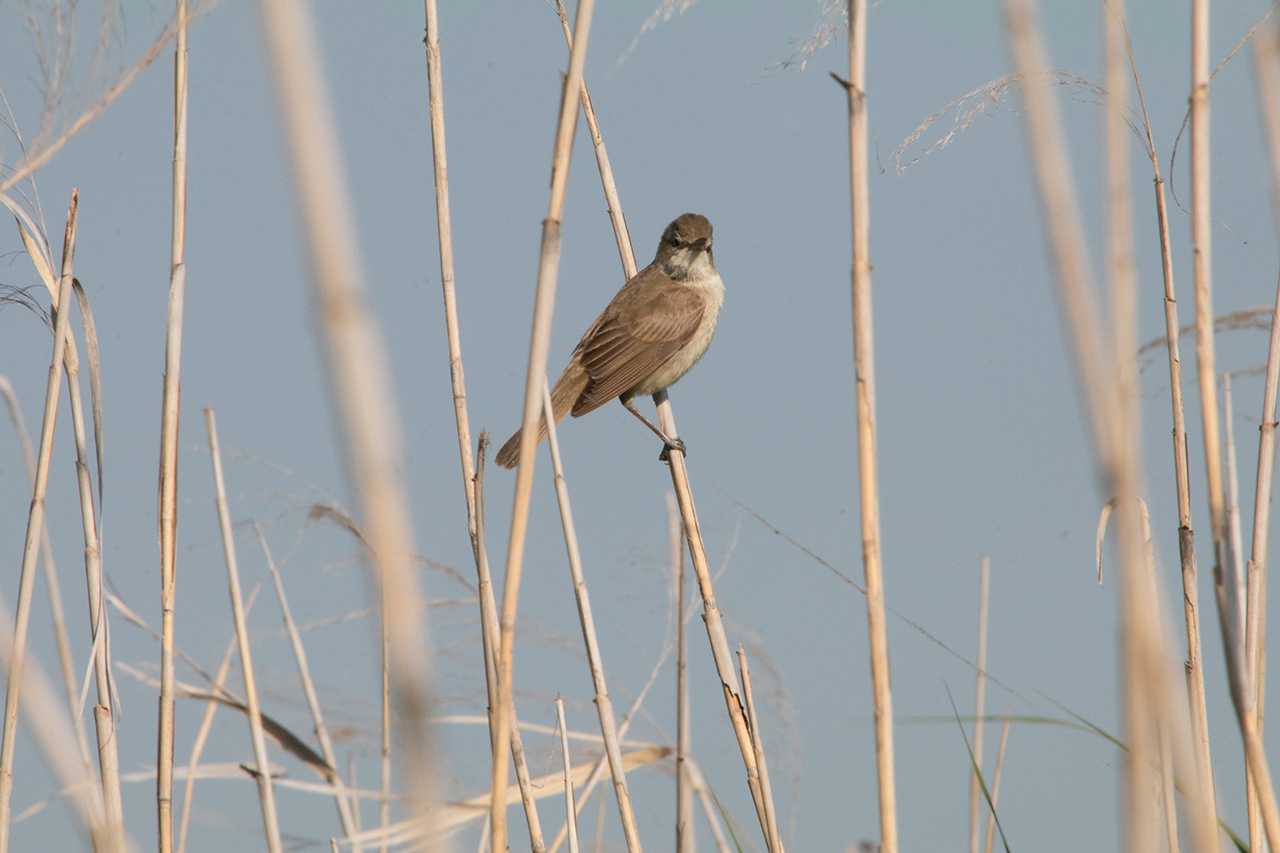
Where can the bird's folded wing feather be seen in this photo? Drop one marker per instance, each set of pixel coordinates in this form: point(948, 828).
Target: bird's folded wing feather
point(647, 323)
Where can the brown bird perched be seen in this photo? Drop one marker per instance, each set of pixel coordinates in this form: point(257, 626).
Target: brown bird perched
point(656, 328)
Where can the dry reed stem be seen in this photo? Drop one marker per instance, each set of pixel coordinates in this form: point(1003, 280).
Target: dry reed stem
point(206, 725)
point(980, 699)
point(716, 635)
point(1235, 547)
point(539, 342)
point(570, 813)
point(266, 794)
point(774, 838)
point(35, 524)
point(384, 699)
point(685, 837)
point(357, 363)
point(471, 476)
point(709, 810)
point(865, 400)
point(52, 732)
point(604, 705)
point(170, 413)
point(995, 786)
point(58, 614)
point(1168, 793)
point(1192, 666)
point(1268, 77)
point(309, 690)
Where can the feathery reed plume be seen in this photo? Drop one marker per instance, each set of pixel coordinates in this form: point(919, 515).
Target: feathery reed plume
point(539, 341)
point(472, 475)
point(570, 816)
point(716, 635)
point(865, 399)
point(604, 705)
point(980, 699)
point(356, 362)
point(170, 413)
point(1192, 666)
point(266, 794)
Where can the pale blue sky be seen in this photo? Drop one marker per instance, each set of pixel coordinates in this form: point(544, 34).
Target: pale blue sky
point(982, 447)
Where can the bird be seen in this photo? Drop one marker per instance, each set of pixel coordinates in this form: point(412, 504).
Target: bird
point(649, 335)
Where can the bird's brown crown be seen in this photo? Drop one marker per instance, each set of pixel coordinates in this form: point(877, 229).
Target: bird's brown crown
point(688, 230)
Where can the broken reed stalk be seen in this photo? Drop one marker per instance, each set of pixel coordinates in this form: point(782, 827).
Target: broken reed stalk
point(57, 612)
point(539, 342)
point(570, 816)
point(52, 731)
point(865, 400)
point(774, 839)
point(472, 478)
point(716, 635)
point(206, 725)
point(604, 705)
point(170, 411)
point(1192, 665)
point(684, 717)
point(995, 787)
point(357, 365)
point(35, 524)
point(980, 699)
point(1268, 76)
point(1109, 396)
point(309, 690)
point(266, 793)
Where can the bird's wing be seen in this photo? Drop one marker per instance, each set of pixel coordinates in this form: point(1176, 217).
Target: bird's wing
point(647, 323)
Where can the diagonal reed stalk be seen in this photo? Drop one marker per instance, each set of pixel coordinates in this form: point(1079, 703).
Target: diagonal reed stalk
point(716, 635)
point(685, 839)
point(604, 705)
point(980, 700)
point(309, 690)
point(171, 407)
point(357, 364)
point(1193, 669)
point(266, 794)
point(774, 838)
point(570, 816)
point(539, 341)
point(865, 399)
point(471, 478)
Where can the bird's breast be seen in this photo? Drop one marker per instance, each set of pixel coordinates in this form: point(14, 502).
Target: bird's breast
point(711, 289)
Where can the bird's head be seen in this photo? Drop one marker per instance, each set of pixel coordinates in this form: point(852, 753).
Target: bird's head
point(685, 249)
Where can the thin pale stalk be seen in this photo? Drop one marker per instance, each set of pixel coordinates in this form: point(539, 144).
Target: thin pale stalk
point(604, 705)
point(35, 524)
point(774, 837)
point(685, 836)
point(598, 847)
point(58, 614)
point(980, 699)
point(570, 813)
point(357, 365)
point(266, 793)
point(1168, 793)
point(170, 408)
point(309, 690)
point(535, 377)
point(206, 726)
point(1235, 543)
point(716, 635)
point(1192, 666)
point(709, 810)
point(995, 786)
point(865, 400)
point(384, 695)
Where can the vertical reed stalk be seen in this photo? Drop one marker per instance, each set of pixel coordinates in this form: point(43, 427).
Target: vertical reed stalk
point(570, 813)
point(357, 364)
point(1235, 547)
point(980, 699)
point(865, 399)
point(471, 477)
point(1192, 665)
point(774, 838)
point(716, 635)
point(604, 705)
point(384, 695)
point(266, 794)
point(540, 337)
point(995, 786)
point(684, 717)
point(35, 524)
point(171, 408)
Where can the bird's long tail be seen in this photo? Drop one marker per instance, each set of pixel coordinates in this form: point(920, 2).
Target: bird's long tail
point(568, 388)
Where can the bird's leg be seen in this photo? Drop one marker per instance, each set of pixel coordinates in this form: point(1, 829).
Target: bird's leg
point(668, 444)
